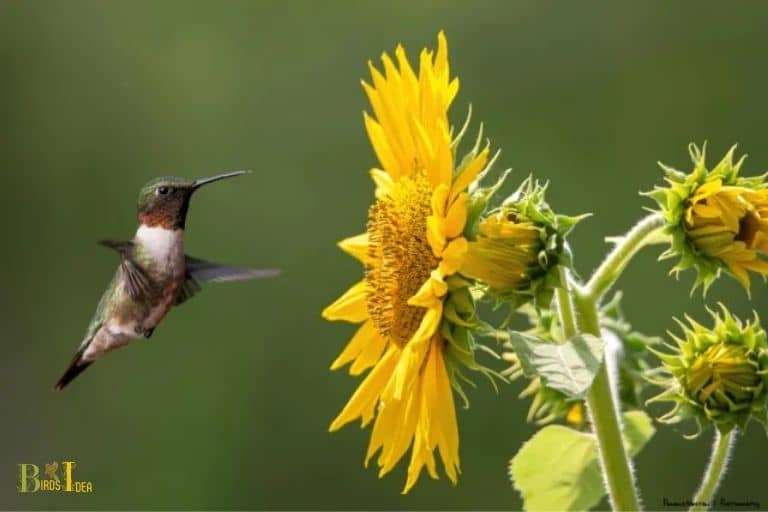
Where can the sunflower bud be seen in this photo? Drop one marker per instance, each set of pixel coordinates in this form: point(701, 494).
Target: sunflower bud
point(717, 375)
point(514, 249)
point(717, 219)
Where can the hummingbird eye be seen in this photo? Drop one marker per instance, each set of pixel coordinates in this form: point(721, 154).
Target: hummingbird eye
point(162, 191)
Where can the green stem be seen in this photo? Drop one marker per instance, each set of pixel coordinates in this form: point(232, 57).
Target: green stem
point(715, 471)
point(613, 265)
point(604, 413)
point(564, 306)
point(614, 460)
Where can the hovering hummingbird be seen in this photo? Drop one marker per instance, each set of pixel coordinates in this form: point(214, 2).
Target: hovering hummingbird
point(154, 273)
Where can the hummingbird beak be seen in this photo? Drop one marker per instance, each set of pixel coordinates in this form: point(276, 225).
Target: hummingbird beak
point(204, 181)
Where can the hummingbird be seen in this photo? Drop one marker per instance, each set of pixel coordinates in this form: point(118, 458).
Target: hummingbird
point(154, 274)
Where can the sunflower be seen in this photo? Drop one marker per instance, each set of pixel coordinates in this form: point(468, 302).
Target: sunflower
point(413, 246)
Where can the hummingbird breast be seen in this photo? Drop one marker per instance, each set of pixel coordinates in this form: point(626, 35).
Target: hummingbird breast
point(161, 254)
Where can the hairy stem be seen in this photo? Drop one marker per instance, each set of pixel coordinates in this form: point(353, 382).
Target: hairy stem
point(564, 306)
point(718, 463)
point(613, 265)
point(613, 457)
point(604, 412)
point(614, 460)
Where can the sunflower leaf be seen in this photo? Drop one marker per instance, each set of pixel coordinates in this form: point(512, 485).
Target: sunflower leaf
point(638, 430)
point(558, 469)
point(568, 367)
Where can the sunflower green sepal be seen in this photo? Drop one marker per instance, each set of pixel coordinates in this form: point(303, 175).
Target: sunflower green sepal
point(514, 250)
point(479, 197)
point(459, 329)
point(716, 375)
point(717, 219)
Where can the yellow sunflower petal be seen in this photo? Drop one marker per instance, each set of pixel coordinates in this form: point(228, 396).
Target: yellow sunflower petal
point(468, 174)
point(356, 246)
point(406, 71)
point(435, 236)
point(381, 146)
point(393, 431)
point(350, 307)
point(430, 292)
point(421, 454)
point(369, 355)
point(366, 337)
point(363, 402)
point(447, 427)
point(453, 256)
point(440, 200)
point(383, 182)
point(412, 355)
point(437, 418)
point(456, 217)
point(442, 68)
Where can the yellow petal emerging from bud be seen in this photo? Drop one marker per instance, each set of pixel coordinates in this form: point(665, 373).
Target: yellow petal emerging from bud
point(723, 377)
point(730, 223)
point(717, 219)
point(514, 250)
point(504, 254)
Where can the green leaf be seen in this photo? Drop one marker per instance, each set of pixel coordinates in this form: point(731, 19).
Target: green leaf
point(638, 430)
point(557, 469)
point(568, 367)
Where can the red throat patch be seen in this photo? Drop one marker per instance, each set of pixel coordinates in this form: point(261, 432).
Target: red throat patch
point(157, 218)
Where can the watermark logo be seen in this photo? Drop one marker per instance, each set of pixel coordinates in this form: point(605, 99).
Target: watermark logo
point(30, 479)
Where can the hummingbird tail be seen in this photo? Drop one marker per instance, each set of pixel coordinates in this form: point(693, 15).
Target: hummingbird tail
point(76, 367)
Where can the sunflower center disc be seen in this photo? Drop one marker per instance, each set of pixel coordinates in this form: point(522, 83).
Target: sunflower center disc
point(401, 258)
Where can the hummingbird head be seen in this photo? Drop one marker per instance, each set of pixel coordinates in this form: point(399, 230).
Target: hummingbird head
point(164, 201)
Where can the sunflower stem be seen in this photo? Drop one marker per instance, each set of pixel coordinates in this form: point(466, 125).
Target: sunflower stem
point(614, 264)
point(718, 464)
point(564, 305)
point(603, 412)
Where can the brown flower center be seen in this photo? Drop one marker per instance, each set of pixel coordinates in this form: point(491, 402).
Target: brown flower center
point(401, 258)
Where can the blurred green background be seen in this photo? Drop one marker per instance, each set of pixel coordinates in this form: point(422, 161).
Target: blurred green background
point(227, 406)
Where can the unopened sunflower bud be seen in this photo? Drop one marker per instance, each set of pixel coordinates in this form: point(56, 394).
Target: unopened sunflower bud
point(516, 247)
point(717, 376)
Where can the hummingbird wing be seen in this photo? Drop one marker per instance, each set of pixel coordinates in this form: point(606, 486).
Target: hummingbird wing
point(202, 271)
point(210, 272)
point(136, 282)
